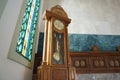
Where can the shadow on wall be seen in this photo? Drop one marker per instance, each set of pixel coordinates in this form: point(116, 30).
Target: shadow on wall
point(2, 6)
point(40, 43)
point(27, 74)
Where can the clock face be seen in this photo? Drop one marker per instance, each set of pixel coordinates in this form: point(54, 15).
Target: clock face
point(58, 24)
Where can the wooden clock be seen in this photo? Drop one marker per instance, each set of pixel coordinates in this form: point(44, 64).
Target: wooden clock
point(56, 64)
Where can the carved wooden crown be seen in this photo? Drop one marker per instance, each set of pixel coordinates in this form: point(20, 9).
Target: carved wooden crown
point(59, 10)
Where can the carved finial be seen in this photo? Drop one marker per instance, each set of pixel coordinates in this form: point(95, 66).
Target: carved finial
point(58, 6)
point(95, 48)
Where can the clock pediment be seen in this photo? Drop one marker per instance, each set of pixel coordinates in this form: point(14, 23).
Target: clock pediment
point(59, 10)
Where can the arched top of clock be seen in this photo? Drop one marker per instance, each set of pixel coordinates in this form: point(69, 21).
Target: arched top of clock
point(59, 10)
point(58, 13)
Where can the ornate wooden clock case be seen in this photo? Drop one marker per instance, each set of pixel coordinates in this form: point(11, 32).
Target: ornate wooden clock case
point(56, 63)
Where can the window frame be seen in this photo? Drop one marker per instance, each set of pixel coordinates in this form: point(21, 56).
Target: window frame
point(12, 54)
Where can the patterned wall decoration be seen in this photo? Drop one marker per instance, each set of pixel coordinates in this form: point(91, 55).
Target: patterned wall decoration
point(27, 31)
point(84, 42)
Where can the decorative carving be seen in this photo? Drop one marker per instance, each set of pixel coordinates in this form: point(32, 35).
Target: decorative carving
point(102, 63)
point(111, 63)
point(96, 63)
point(114, 63)
point(77, 64)
point(117, 63)
point(82, 63)
point(95, 48)
point(88, 62)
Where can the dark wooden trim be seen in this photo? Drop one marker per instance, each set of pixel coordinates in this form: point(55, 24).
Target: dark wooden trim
point(96, 62)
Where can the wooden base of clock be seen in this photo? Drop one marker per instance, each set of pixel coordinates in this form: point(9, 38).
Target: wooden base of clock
point(46, 72)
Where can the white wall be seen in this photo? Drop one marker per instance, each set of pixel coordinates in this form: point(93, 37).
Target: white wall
point(10, 70)
point(89, 16)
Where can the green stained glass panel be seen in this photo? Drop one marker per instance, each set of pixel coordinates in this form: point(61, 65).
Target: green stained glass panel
point(26, 36)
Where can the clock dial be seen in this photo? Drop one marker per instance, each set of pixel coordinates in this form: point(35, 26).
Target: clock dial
point(58, 24)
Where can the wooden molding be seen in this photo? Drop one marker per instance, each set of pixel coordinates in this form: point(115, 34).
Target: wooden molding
point(100, 62)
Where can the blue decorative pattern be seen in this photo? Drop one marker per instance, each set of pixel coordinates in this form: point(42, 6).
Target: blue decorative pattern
point(84, 42)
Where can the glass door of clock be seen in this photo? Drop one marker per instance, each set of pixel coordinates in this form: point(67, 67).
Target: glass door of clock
point(58, 48)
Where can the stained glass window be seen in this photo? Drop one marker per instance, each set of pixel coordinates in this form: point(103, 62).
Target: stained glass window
point(27, 31)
